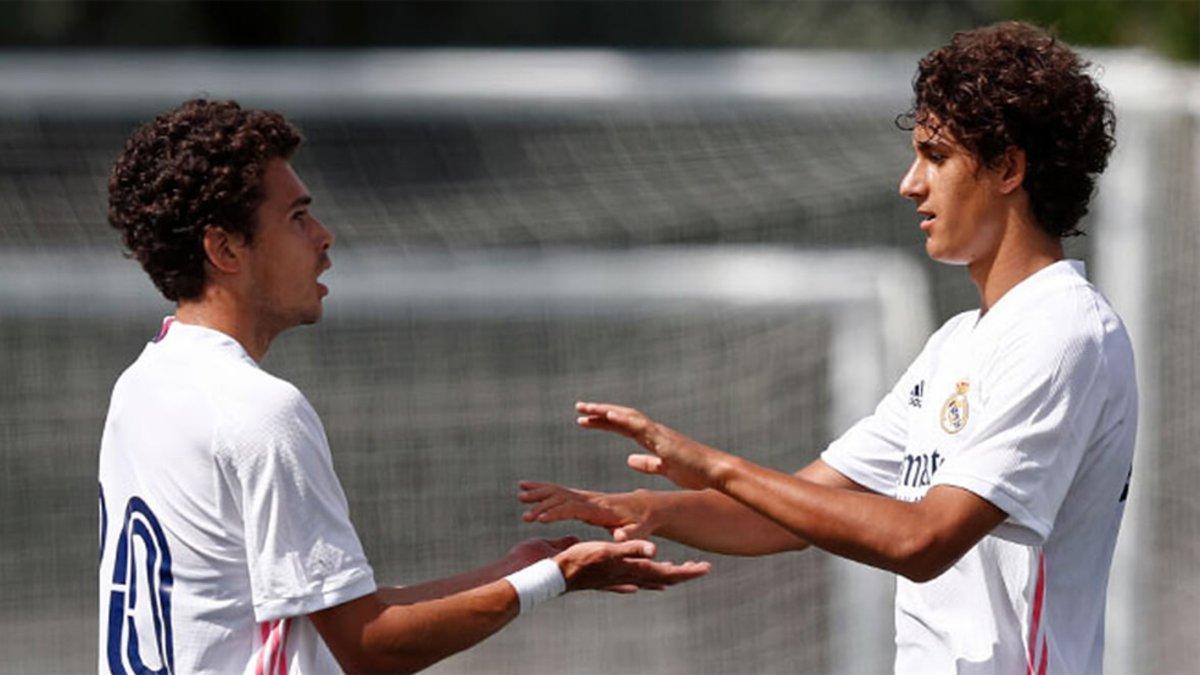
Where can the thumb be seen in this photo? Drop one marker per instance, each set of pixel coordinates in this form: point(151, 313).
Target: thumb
point(645, 463)
point(636, 548)
point(629, 532)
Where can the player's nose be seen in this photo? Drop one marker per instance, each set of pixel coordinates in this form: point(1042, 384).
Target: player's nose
point(325, 236)
point(911, 185)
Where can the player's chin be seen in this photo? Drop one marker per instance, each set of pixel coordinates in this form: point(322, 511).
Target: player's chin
point(312, 314)
point(939, 252)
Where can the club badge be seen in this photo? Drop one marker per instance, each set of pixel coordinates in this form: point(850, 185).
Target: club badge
point(956, 409)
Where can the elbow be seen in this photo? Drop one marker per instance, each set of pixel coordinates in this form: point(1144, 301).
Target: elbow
point(921, 557)
point(380, 656)
point(919, 574)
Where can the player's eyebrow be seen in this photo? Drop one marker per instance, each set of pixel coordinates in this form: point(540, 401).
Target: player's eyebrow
point(930, 145)
point(303, 200)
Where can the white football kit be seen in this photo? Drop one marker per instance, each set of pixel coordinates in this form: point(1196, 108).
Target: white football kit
point(222, 522)
point(1033, 407)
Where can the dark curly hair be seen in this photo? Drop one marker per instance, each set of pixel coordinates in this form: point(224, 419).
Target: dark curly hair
point(194, 167)
point(1013, 84)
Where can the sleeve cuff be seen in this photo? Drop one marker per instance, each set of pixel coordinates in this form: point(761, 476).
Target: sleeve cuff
point(348, 586)
point(1021, 527)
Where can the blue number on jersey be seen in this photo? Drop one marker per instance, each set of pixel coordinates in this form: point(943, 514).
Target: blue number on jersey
point(123, 601)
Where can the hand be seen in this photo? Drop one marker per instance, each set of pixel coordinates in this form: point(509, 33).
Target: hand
point(622, 567)
point(680, 459)
point(626, 516)
point(530, 551)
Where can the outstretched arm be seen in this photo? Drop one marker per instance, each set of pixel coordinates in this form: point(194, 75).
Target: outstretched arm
point(372, 635)
point(918, 540)
point(703, 519)
point(522, 555)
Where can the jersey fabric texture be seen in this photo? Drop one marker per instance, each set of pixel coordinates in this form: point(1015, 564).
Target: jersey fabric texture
point(1033, 407)
point(222, 522)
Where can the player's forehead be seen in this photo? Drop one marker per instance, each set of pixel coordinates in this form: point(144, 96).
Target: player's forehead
point(282, 186)
point(930, 131)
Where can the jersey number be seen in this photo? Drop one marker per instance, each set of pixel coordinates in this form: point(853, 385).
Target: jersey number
point(144, 600)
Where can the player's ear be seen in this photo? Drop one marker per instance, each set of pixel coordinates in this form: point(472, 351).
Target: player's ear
point(225, 250)
point(1012, 169)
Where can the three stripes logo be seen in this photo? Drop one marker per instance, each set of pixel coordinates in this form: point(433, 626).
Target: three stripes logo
point(916, 394)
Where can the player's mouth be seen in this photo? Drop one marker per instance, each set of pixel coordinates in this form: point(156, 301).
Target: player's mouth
point(325, 265)
point(927, 223)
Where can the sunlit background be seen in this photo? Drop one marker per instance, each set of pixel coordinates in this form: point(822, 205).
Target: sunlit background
point(686, 206)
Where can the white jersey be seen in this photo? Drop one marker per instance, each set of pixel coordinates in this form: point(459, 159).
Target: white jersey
point(1033, 407)
point(222, 522)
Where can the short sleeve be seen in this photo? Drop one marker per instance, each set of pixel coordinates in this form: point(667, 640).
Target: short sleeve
point(1040, 401)
point(870, 452)
point(301, 549)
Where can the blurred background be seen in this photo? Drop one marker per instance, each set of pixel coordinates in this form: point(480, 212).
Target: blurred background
point(685, 206)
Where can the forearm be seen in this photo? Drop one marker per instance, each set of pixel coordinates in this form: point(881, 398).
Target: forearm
point(711, 521)
point(409, 638)
point(440, 588)
point(918, 540)
point(869, 528)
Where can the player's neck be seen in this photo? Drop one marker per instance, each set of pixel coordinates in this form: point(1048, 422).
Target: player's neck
point(1023, 250)
point(217, 310)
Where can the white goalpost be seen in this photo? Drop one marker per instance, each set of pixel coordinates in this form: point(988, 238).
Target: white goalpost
point(874, 303)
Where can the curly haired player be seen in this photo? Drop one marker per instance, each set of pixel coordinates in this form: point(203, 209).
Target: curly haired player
point(992, 478)
point(226, 545)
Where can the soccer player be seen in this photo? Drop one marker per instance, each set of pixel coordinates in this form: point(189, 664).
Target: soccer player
point(226, 545)
point(992, 478)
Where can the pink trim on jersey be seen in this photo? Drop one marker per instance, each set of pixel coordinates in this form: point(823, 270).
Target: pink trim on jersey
point(1045, 658)
point(166, 326)
point(272, 656)
point(1039, 596)
point(283, 649)
point(264, 632)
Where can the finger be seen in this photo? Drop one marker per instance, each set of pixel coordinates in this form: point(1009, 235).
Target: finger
point(567, 511)
point(645, 464)
point(633, 423)
point(603, 424)
point(653, 571)
point(636, 548)
point(620, 415)
point(535, 486)
point(624, 589)
point(671, 573)
point(535, 512)
point(593, 408)
point(538, 493)
point(555, 509)
point(629, 532)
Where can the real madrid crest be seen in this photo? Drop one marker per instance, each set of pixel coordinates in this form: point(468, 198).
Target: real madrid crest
point(956, 409)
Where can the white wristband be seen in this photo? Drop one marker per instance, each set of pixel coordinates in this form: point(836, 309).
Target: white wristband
point(537, 583)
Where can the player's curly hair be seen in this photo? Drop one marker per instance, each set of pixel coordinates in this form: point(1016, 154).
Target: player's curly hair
point(1013, 84)
point(197, 166)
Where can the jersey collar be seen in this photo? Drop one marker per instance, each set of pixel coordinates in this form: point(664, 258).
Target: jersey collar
point(1026, 291)
point(175, 332)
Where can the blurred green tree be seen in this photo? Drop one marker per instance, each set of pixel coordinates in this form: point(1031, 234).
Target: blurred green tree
point(1170, 27)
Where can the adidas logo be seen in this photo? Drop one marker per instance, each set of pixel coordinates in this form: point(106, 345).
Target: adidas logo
point(916, 394)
